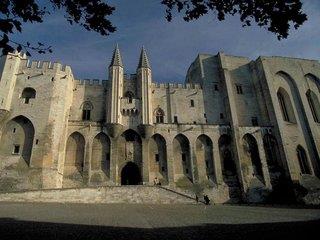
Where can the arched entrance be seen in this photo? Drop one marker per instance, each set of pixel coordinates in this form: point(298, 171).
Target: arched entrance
point(17, 139)
point(130, 174)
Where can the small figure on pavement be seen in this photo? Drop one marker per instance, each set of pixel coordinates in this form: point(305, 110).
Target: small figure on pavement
point(206, 199)
point(156, 181)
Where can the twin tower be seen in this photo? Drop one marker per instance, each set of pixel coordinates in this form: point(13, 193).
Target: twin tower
point(122, 96)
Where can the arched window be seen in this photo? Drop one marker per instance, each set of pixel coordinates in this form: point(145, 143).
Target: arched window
point(86, 111)
point(314, 105)
point(27, 94)
point(129, 95)
point(159, 113)
point(286, 106)
point(303, 160)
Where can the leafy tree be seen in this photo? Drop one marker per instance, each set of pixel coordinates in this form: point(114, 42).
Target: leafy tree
point(91, 14)
point(276, 15)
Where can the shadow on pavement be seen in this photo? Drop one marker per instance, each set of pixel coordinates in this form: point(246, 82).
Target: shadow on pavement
point(16, 229)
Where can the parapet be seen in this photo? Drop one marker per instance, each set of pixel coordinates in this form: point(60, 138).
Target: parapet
point(47, 65)
point(92, 82)
point(177, 85)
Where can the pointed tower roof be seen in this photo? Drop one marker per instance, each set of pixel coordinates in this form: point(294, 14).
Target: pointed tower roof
point(116, 58)
point(144, 61)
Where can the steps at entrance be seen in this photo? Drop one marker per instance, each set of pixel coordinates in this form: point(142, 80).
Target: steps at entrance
point(109, 194)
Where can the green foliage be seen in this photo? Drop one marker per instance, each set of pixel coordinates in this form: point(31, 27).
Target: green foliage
point(90, 14)
point(275, 15)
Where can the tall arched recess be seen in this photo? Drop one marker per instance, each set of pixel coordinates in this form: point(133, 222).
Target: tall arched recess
point(158, 159)
point(100, 159)
point(74, 161)
point(17, 139)
point(252, 157)
point(182, 159)
point(302, 117)
point(204, 156)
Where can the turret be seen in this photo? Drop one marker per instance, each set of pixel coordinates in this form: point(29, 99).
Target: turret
point(144, 80)
point(9, 70)
point(116, 91)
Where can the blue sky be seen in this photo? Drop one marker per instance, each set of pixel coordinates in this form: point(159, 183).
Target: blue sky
point(171, 46)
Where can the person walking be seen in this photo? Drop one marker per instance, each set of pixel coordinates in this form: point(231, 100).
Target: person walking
point(206, 199)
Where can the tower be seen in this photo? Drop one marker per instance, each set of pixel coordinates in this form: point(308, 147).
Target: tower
point(116, 78)
point(144, 80)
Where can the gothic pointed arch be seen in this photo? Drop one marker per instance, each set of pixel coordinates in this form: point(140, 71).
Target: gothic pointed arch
point(100, 156)
point(204, 156)
point(182, 158)
point(252, 155)
point(74, 160)
point(300, 108)
point(129, 95)
point(159, 115)
point(286, 106)
point(303, 160)
point(87, 108)
point(228, 165)
point(314, 105)
point(312, 79)
point(17, 139)
point(158, 158)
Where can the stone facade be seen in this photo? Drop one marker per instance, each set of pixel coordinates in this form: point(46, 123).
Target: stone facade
point(241, 129)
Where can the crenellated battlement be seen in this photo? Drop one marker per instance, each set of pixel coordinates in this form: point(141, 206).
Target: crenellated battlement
point(47, 65)
point(91, 82)
point(176, 85)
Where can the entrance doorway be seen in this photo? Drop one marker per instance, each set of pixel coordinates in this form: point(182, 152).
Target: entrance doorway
point(130, 174)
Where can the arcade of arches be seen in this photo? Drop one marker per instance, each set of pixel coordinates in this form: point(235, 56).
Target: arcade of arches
point(120, 161)
point(131, 159)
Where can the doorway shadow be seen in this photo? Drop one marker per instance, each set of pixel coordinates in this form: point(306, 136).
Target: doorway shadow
point(130, 174)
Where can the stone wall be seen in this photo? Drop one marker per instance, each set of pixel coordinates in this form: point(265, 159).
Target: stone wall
point(129, 194)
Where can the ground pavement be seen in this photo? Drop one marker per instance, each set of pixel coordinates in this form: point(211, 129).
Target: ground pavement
point(143, 221)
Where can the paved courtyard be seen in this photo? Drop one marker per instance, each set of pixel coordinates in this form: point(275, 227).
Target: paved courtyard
point(125, 221)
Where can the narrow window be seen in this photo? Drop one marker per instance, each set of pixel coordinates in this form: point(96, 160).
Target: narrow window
point(191, 103)
point(303, 160)
point(187, 170)
point(129, 95)
point(254, 121)
point(216, 87)
point(283, 107)
point(221, 116)
point(16, 149)
point(313, 101)
point(175, 119)
point(14, 130)
point(157, 157)
point(159, 115)
point(239, 89)
point(163, 169)
point(86, 111)
point(37, 141)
